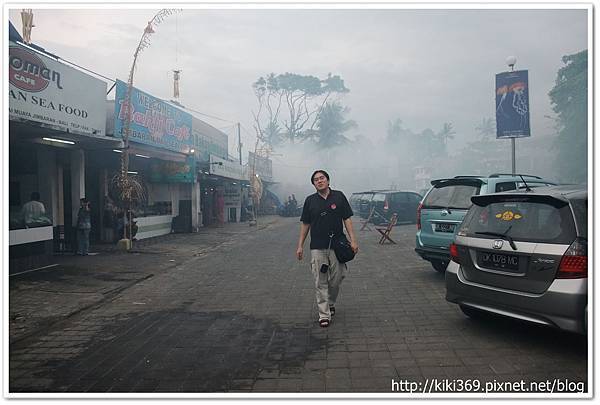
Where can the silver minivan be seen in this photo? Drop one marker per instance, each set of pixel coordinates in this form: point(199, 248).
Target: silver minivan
point(523, 254)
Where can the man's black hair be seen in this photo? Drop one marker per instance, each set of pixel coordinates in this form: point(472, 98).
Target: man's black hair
point(35, 196)
point(318, 171)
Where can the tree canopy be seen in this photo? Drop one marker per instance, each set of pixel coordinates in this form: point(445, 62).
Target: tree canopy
point(569, 101)
point(331, 125)
point(292, 103)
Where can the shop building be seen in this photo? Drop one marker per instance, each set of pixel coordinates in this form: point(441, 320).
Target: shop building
point(161, 159)
point(221, 183)
point(56, 121)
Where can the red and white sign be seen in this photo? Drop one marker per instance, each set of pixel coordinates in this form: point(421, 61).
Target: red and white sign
point(44, 90)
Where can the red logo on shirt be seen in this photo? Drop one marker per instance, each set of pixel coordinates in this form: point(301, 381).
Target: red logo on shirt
point(333, 206)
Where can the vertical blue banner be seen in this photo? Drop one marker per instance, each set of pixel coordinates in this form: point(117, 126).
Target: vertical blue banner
point(512, 105)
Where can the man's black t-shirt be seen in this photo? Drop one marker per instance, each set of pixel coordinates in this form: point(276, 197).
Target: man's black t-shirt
point(325, 216)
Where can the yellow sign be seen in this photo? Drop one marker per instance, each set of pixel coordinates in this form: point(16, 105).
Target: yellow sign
point(508, 216)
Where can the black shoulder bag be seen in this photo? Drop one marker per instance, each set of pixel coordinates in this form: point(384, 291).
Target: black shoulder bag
point(342, 248)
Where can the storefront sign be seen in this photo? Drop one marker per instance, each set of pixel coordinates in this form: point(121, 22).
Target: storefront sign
point(512, 105)
point(225, 168)
point(58, 96)
point(162, 171)
point(153, 122)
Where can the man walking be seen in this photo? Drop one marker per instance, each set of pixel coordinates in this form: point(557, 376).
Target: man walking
point(323, 214)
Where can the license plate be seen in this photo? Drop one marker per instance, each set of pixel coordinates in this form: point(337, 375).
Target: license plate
point(498, 261)
point(449, 228)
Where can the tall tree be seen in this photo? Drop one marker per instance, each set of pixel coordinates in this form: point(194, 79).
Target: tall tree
point(331, 125)
point(569, 100)
point(302, 96)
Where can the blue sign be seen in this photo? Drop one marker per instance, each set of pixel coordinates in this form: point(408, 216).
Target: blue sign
point(153, 121)
point(512, 105)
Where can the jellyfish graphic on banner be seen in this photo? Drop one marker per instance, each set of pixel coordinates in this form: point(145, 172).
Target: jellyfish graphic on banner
point(512, 105)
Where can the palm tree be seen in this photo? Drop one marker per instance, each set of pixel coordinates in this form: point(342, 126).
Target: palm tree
point(394, 130)
point(446, 133)
point(331, 125)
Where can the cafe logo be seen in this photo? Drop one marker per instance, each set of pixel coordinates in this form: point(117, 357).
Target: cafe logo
point(28, 72)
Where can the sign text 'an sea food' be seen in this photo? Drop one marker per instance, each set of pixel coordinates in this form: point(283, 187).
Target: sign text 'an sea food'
point(53, 94)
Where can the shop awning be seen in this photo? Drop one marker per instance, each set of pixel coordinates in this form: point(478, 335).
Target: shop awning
point(27, 131)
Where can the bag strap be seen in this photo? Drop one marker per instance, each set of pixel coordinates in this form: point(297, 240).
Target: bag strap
point(329, 246)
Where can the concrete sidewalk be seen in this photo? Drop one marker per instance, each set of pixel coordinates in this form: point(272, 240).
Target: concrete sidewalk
point(41, 298)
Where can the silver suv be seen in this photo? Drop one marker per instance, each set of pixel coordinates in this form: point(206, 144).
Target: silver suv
point(523, 254)
point(446, 203)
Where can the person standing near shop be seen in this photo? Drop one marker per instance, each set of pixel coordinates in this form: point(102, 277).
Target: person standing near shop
point(84, 225)
point(323, 214)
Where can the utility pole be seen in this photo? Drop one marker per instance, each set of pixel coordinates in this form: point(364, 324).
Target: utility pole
point(239, 142)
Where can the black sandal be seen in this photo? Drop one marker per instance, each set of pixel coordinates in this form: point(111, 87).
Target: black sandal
point(332, 310)
point(323, 323)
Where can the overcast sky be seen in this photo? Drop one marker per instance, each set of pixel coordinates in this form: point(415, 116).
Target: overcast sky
point(425, 67)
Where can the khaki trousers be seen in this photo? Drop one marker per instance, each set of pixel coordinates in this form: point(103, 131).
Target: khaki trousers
point(327, 284)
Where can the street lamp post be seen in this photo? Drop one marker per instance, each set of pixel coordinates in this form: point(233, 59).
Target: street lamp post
point(511, 62)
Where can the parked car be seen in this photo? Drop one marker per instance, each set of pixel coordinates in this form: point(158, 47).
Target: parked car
point(445, 205)
point(523, 254)
point(354, 201)
point(364, 204)
point(386, 203)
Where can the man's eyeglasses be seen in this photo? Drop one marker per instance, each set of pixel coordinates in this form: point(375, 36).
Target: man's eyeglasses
point(319, 178)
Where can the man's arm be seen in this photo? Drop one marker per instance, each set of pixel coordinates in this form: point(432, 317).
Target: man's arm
point(304, 228)
point(350, 230)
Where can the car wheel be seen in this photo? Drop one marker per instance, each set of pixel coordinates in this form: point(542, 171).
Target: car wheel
point(471, 312)
point(439, 265)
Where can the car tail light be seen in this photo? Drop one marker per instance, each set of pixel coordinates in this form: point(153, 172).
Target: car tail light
point(386, 206)
point(454, 253)
point(574, 262)
point(419, 216)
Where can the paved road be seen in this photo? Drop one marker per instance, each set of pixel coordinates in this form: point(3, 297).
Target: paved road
point(234, 311)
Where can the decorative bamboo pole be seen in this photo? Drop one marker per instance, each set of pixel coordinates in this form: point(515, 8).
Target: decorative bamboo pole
point(124, 182)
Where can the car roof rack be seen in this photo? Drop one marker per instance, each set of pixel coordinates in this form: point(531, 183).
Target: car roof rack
point(514, 175)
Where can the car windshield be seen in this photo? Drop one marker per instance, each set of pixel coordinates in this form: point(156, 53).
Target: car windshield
point(523, 221)
point(451, 196)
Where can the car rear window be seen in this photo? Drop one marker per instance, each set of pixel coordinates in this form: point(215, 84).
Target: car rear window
point(452, 196)
point(580, 210)
point(522, 221)
point(378, 197)
point(355, 197)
